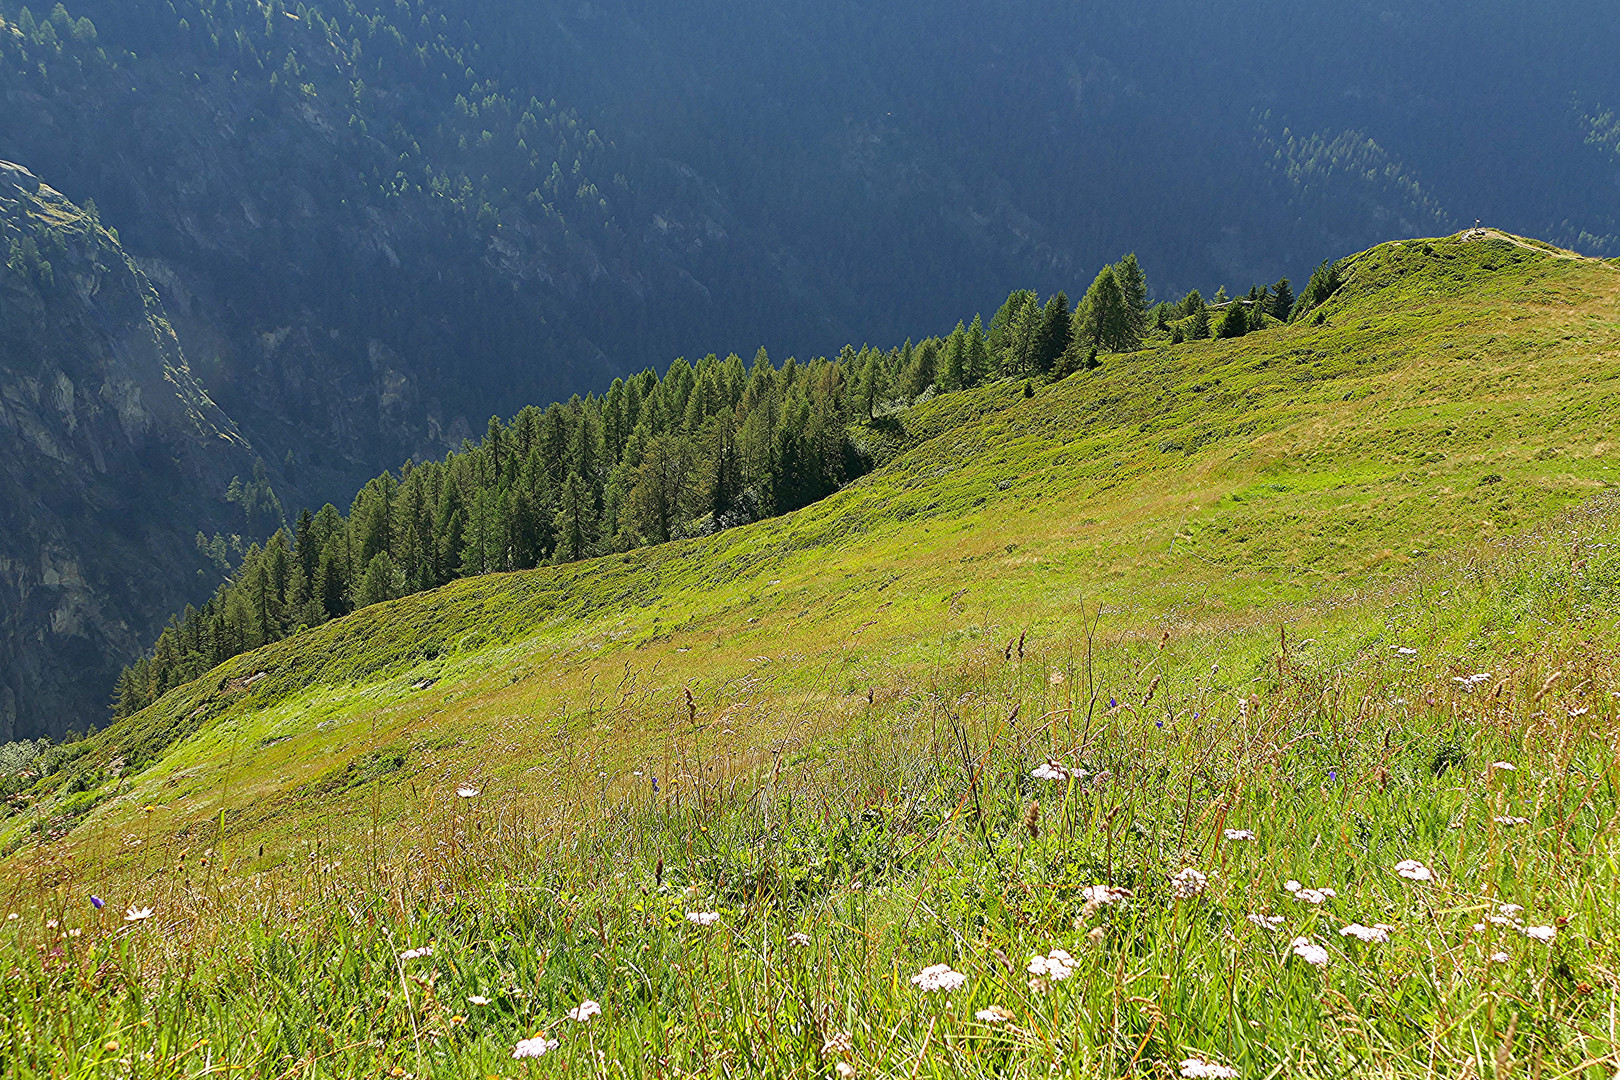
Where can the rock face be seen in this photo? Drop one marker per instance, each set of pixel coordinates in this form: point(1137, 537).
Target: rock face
point(111, 459)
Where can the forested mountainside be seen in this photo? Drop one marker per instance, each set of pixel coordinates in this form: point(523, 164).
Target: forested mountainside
point(111, 458)
point(376, 222)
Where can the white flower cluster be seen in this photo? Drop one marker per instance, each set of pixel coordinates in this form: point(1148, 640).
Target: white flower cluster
point(538, 1046)
point(1056, 965)
point(1310, 952)
point(1377, 932)
point(416, 954)
point(1189, 883)
point(1239, 834)
point(1413, 870)
point(1308, 896)
point(1103, 895)
point(939, 977)
point(702, 918)
point(1199, 1069)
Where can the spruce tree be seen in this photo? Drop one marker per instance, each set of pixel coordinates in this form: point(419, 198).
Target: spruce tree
point(1052, 335)
point(1234, 323)
point(1282, 300)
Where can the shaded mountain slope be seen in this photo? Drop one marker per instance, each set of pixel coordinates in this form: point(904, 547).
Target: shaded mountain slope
point(113, 458)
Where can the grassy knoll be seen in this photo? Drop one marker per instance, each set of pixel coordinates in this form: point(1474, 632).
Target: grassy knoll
point(1311, 583)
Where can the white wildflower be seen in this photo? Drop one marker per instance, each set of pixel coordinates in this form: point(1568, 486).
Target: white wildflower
point(1378, 933)
point(1510, 820)
point(844, 1070)
point(1051, 770)
point(1310, 952)
point(1413, 870)
point(1500, 958)
point(939, 977)
point(702, 918)
point(136, 914)
point(585, 1010)
point(799, 939)
point(1199, 1069)
point(1056, 965)
point(1505, 766)
point(1103, 894)
point(538, 1046)
point(1266, 922)
point(1541, 933)
point(1312, 896)
point(1239, 834)
point(477, 999)
point(416, 954)
point(994, 1014)
point(1188, 883)
point(468, 792)
point(839, 1042)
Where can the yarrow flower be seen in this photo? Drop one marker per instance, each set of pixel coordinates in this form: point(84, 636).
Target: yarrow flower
point(1188, 883)
point(136, 914)
point(939, 977)
point(585, 1010)
point(538, 1046)
point(1103, 894)
point(1310, 952)
point(799, 939)
point(839, 1042)
point(1239, 834)
point(1509, 820)
point(1500, 958)
point(1051, 770)
point(1266, 922)
point(1541, 933)
point(1308, 896)
point(1056, 965)
point(416, 954)
point(844, 1070)
point(1413, 870)
point(1378, 932)
point(1199, 1069)
point(1505, 766)
point(1506, 915)
point(994, 1014)
point(702, 918)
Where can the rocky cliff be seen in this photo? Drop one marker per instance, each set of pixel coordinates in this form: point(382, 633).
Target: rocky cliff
point(112, 457)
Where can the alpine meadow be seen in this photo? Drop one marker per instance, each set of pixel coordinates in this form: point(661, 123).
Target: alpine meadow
point(809, 539)
point(1231, 706)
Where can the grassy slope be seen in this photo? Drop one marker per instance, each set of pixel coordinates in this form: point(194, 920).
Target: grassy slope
point(1214, 484)
point(859, 772)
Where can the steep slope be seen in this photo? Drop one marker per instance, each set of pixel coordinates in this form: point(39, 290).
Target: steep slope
point(113, 458)
point(1452, 392)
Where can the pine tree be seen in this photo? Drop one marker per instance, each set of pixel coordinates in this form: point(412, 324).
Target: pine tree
point(1133, 285)
point(1052, 335)
point(1282, 300)
point(1234, 324)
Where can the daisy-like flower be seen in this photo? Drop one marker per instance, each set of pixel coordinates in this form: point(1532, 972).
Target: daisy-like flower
point(538, 1046)
point(1198, 1069)
point(1266, 922)
point(839, 1042)
point(584, 1011)
point(702, 918)
point(1189, 883)
point(1310, 952)
point(799, 939)
point(416, 954)
point(1413, 870)
point(1500, 958)
point(1103, 894)
point(1541, 933)
point(1378, 932)
point(1056, 965)
point(466, 791)
point(1051, 770)
point(993, 1014)
point(477, 999)
point(136, 914)
point(939, 977)
point(1239, 834)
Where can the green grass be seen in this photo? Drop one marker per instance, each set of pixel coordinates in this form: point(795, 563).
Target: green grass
point(1191, 570)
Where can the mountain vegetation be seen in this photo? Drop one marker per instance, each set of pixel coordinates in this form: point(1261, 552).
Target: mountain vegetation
point(1235, 706)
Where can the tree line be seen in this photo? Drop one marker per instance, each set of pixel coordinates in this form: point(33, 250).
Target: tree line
point(704, 448)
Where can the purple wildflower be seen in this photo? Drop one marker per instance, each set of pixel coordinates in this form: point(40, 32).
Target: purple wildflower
point(97, 902)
